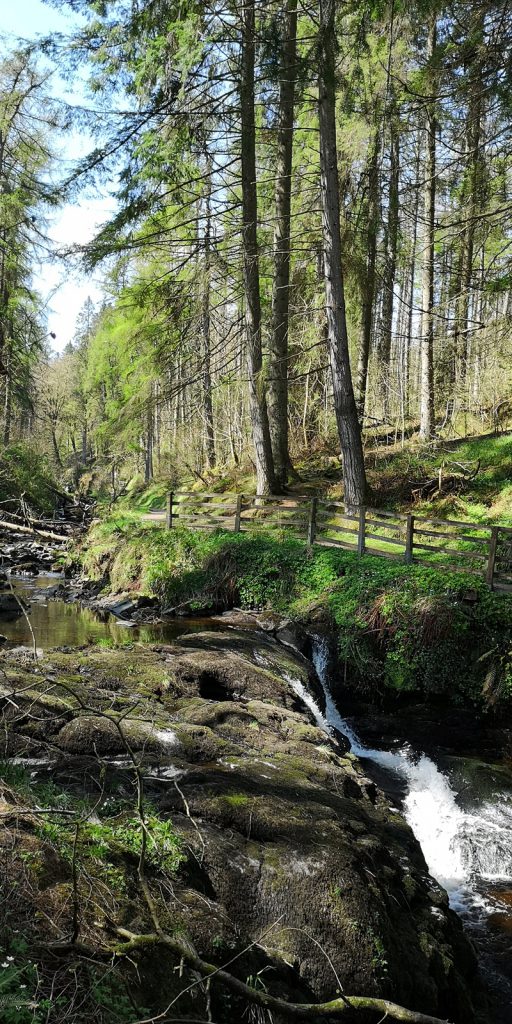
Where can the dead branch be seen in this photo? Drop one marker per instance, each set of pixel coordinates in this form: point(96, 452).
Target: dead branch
point(27, 519)
point(334, 1009)
point(446, 483)
point(24, 612)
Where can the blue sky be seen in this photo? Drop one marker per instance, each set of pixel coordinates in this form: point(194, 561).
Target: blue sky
point(64, 289)
point(28, 18)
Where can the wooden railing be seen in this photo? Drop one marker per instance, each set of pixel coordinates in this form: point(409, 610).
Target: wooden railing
point(476, 548)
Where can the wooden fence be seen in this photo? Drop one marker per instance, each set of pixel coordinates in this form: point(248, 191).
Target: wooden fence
point(459, 546)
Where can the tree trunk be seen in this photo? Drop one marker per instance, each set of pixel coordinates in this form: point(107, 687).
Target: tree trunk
point(85, 442)
point(354, 477)
point(427, 290)
point(388, 277)
point(412, 282)
point(278, 353)
point(257, 399)
point(8, 390)
point(206, 327)
point(55, 446)
point(469, 204)
point(148, 453)
point(368, 286)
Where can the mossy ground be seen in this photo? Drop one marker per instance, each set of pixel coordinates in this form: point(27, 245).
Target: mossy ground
point(487, 498)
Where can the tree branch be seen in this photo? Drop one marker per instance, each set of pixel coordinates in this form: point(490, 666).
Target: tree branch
point(334, 1009)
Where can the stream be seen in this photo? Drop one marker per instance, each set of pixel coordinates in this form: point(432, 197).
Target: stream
point(57, 623)
point(460, 809)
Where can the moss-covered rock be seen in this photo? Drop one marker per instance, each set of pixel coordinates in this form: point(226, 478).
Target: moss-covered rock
point(284, 842)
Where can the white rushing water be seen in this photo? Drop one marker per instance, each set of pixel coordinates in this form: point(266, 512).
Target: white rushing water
point(459, 846)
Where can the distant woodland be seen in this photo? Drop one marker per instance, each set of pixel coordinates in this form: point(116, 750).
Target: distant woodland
point(311, 241)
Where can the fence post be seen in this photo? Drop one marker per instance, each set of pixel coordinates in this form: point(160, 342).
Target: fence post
point(168, 510)
point(312, 523)
point(492, 556)
point(238, 513)
point(361, 532)
point(409, 539)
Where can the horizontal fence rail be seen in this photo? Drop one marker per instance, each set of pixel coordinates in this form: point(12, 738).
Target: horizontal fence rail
point(463, 547)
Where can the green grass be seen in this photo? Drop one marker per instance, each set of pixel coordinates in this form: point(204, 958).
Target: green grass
point(147, 498)
point(485, 499)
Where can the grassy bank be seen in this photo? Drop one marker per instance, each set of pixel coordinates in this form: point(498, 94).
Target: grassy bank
point(406, 629)
point(397, 475)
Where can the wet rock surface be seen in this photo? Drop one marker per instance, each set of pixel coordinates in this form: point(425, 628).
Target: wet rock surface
point(288, 844)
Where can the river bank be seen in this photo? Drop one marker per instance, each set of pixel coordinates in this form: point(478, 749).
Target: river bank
point(402, 631)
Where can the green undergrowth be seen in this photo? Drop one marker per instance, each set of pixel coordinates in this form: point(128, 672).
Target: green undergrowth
point(114, 833)
point(398, 627)
point(74, 847)
point(25, 473)
point(487, 498)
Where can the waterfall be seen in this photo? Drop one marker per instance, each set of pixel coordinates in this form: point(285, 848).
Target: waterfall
point(459, 846)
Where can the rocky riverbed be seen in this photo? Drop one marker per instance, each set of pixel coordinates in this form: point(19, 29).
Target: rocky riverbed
point(31, 555)
point(289, 848)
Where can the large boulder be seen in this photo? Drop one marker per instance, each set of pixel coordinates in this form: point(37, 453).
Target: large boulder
point(292, 851)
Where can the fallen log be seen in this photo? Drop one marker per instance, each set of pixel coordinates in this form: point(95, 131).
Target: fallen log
point(47, 534)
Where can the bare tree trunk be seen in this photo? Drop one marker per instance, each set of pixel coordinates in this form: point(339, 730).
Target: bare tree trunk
point(354, 477)
point(157, 424)
point(278, 351)
point(412, 282)
point(8, 390)
point(55, 446)
point(4, 296)
point(388, 281)
point(368, 286)
point(148, 452)
point(427, 301)
point(85, 442)
point(469, 206)
point(257, 399)
point(206, 327)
